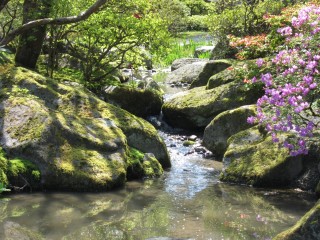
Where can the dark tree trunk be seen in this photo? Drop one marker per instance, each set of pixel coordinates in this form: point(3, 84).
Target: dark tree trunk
point(30, 42)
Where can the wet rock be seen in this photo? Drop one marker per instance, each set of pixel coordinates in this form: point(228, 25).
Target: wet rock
point(200, 149)
point(208, 154)
point(178, 63)
point(188, 143)
point(192, 138)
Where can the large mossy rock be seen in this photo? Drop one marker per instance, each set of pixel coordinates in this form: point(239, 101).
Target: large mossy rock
point(197, 73)
point(140, 102)
point(77, 141)
point(253, 159)
point(224, 126)
point(196, 108)
point(308, 227)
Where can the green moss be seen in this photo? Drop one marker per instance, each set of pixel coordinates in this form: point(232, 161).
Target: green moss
point(25, 168)
point(3, 167)
point(134, 164)
point(83, 169)
point(31, 121)
point(254, 159)
point(142, 165)
point(152, 167)
point(79, 141)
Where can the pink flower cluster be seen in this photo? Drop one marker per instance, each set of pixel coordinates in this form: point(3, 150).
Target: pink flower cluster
point(288, 104)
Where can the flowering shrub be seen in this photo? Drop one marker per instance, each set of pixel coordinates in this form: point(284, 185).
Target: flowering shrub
point(291, 102)
point(249, 47)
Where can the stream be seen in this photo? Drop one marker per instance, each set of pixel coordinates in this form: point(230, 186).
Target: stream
point(187, 202)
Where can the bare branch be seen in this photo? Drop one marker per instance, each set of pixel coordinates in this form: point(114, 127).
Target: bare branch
point(3, 3)
point(53, 21)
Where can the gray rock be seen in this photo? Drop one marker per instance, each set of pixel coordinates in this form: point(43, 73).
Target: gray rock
point(192, 138)
point(203, 50)
point(197, 74)
point(185, 61)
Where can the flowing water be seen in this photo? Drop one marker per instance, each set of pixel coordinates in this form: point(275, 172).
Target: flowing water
point(188, 202)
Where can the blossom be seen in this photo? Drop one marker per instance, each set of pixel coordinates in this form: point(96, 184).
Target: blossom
point(286, 31)
point(260, 62)
point(285, 106)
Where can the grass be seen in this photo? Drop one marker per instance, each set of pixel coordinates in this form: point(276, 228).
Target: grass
point(183, 46)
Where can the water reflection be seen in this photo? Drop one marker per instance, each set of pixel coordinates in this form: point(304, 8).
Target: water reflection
point(142, 211)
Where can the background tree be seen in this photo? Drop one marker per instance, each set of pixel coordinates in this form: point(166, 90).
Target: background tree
point(31, 41)
point(119, 33)
point(31, 10)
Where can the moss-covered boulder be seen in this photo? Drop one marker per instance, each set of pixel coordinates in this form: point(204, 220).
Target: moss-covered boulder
point(252, 158)
point(140, 102)
point(77, 141)
point(224, 126)
point(197, 107)
point(308, 227)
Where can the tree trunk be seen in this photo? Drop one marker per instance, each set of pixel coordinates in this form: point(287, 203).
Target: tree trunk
point(30, 42)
